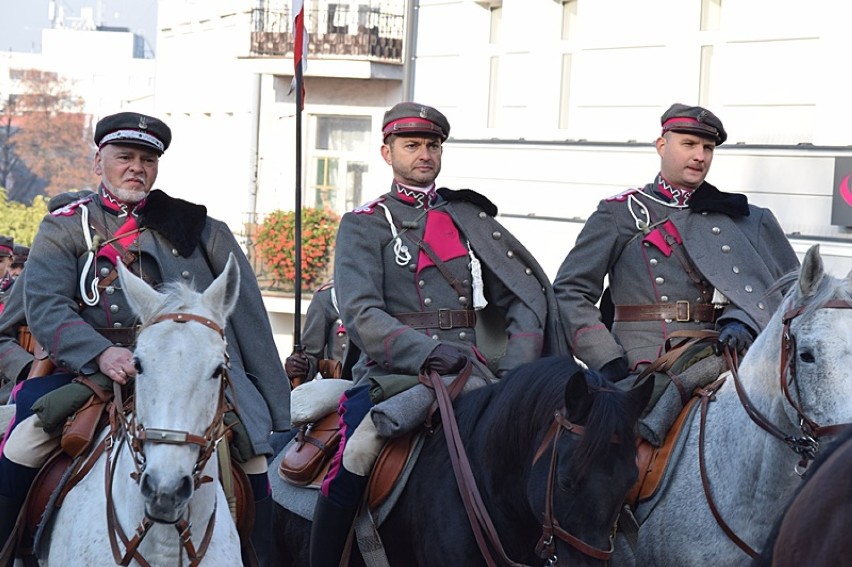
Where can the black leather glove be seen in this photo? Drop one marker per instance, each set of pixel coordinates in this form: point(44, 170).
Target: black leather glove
point(738, 336)
point(446, 359)
point(296, 365)
point(614, 370)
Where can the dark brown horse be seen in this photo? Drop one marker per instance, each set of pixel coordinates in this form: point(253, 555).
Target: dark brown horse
point(816, 529)
point(547, 436)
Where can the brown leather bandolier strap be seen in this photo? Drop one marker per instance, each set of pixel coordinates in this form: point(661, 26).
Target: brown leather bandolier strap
point(123, 336)
point(26, 339)
point(440, 319)
point(680, 311)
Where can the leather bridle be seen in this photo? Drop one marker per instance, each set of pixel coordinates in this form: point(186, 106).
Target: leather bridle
point(483, 528)
point(124, 428)
point(546, 548)
point(805, 446)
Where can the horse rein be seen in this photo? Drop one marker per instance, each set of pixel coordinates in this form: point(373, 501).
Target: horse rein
point(478, 516)
point(806, 447)
point(123, 428)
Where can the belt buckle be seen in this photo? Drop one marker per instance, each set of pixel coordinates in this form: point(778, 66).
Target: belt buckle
point(680, 307)
point(445, 319)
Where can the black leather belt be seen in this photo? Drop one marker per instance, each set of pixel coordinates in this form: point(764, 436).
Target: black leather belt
point(680, 311)
point(441, 319)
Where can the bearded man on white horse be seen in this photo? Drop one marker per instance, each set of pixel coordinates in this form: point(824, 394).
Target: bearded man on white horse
point(77, 311)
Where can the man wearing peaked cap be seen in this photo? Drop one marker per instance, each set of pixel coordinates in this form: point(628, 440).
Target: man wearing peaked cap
point(679, 254)
point(131, 128)
point(72, 263)
point(693, 120)
point(420, 264)
point(410, 117)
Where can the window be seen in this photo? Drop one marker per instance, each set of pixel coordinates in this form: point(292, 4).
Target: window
point(339, 162)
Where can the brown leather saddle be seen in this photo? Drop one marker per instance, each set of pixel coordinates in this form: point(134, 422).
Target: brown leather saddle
point(653, 462)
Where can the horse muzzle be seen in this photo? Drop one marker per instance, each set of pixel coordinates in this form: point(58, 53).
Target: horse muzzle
point(166, 501)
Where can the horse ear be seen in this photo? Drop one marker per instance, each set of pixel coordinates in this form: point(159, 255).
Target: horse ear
point(143, 299)
point(221, 296)
point(578, 400)
point(812, 272)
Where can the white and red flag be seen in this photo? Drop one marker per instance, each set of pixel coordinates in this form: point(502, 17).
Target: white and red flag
point(300, 48)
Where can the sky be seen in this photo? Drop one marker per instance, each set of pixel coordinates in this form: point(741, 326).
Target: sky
point(21, 21)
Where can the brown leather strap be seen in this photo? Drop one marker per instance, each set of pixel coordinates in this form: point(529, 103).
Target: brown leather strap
point(695, 276)
point(680, 311)
point(483, 528)
point(441, 319)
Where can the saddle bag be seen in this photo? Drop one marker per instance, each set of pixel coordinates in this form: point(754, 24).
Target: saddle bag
point(313, 447)
point(330, 368)
point(80, 429)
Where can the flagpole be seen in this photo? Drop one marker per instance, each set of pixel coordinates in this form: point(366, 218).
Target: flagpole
point(298, 54)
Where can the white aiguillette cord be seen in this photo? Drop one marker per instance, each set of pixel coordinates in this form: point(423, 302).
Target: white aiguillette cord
point(92, 245)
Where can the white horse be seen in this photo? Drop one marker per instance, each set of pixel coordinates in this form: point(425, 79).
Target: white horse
point(165, 504)
point(752, 469)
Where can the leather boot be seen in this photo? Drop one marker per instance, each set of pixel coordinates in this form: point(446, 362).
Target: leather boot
point(261, 533)
point(9, 509)
point(329, 532)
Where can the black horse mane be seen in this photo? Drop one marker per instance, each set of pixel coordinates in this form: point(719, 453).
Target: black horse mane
point(509, 419)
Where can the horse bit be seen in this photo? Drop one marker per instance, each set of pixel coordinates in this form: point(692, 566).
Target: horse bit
point(124, 427)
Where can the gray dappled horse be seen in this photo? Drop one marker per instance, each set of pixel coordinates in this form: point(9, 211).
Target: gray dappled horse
point(751, 472)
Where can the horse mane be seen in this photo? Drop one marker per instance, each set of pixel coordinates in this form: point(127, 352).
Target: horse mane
point(510, 418)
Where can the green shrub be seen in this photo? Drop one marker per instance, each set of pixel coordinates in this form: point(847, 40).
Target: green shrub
point(19, 220)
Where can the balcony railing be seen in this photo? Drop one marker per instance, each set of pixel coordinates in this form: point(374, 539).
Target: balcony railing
point(333, 33)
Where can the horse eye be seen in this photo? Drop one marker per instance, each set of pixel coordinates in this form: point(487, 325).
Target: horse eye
point(807, 356)
point(137, 365)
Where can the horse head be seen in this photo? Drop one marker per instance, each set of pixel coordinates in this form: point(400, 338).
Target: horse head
point(817, 324)
point(592, 466)
point(181, 363)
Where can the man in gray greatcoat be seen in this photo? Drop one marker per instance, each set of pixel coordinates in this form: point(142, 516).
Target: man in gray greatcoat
point(324, 337)
point(77, 311)
point(415, 268)
point(679, 254)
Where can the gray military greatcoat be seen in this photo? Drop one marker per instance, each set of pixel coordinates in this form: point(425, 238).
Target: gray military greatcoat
point(179, 242)
point(738, 248)
point(13, 358)
point(375, 281)
point(324, 335)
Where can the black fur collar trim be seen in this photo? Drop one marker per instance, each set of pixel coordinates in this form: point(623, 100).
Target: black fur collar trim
point(470, 196)
point(179, 221)
point(710, 200)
